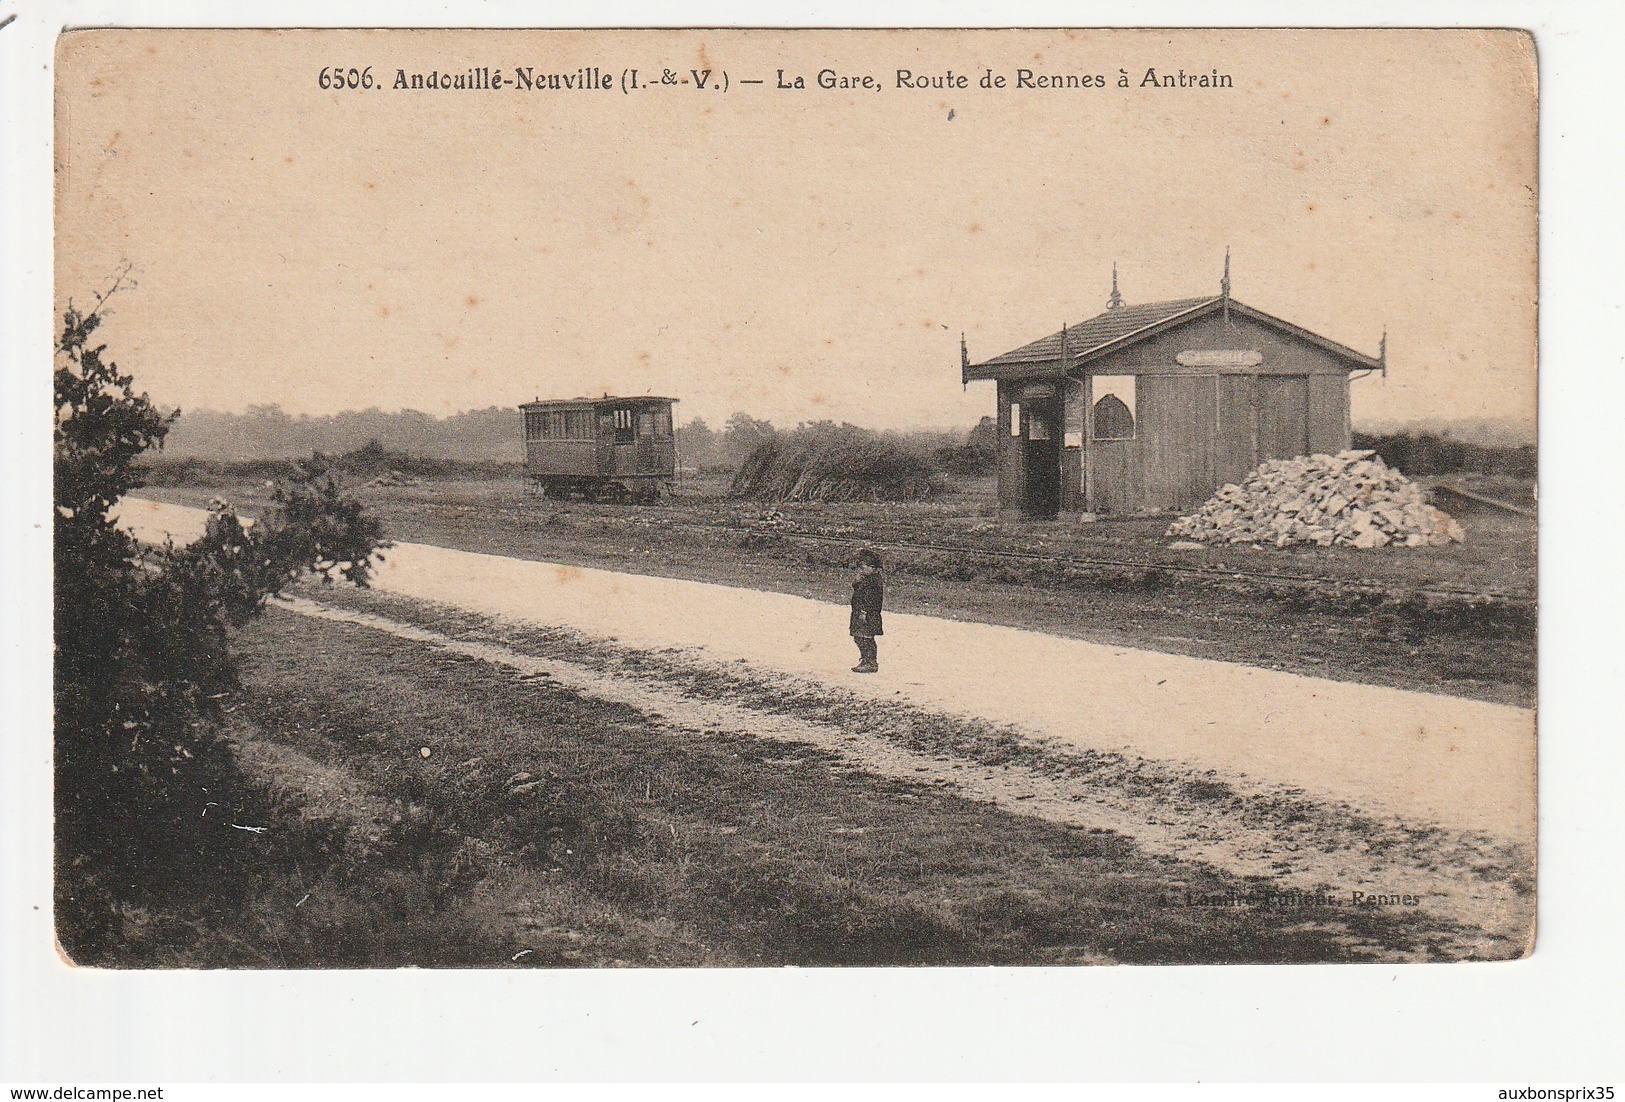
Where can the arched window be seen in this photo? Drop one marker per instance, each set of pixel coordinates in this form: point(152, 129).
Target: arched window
point(1113, 420)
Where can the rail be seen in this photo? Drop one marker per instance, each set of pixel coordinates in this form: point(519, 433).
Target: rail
point(1493, 502)
point(1206, 572)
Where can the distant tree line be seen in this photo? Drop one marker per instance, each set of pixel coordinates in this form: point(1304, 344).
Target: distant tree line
point(371, 460)
point(700, 447)
point(370, 441)
point(412, 441)
point(491, 435)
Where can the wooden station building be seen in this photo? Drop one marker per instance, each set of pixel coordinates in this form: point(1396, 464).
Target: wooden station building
point(1151, 408)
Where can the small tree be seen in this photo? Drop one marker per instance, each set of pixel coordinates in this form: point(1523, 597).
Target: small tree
point(696, 444)
point(742, 434)
point(142, 655)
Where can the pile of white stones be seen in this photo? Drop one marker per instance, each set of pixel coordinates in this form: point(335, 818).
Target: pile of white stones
point(1352, 498)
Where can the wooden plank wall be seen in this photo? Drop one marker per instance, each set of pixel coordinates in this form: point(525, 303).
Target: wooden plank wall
point(1283, 416)
point(561, 457)
point(1235, 451)
point(1328, 413)
point(1176, 416)
point(1114, 477)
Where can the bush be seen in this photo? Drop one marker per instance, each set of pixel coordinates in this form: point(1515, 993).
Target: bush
point(977, 456)
point(145, 790)
point(830, 462)
point(1419, 454)
point(966, 460)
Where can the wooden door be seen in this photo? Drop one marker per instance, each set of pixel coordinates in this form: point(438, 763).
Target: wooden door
point(1283, 416)
point(1041, 494)
point(1235, 449)
point(1177, 418)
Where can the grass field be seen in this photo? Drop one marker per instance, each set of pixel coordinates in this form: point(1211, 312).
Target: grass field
point(423, 808)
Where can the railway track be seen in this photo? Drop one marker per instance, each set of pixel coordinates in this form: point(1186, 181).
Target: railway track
point(1458, 593)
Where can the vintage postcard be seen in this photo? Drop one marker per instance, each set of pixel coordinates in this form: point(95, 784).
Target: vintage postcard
point(735, 498)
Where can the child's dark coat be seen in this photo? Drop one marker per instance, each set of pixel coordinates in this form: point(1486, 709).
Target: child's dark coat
point(868, 593)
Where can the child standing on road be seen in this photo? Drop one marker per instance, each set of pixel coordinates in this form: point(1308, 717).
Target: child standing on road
point(868, 593)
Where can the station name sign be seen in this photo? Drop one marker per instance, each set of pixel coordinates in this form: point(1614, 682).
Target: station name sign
point(1220, 357)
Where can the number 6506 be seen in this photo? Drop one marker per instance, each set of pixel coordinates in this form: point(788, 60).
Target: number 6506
point(337, 77)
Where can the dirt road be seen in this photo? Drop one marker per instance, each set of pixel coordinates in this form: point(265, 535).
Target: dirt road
point(1460, 763)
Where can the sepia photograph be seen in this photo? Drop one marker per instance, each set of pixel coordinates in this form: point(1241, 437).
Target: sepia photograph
point(726, 499)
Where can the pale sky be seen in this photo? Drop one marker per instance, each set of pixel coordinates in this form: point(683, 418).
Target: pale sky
point(797, 254)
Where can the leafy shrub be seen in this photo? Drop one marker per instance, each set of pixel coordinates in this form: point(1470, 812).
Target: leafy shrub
point(966, 460)
point(977, 456)
point(146, 792)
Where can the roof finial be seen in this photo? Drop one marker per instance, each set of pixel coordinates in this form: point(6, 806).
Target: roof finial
point(1224, 285)
point(1382, 352)
point(964, 362)
point(1116, 301)
point(1064, 349)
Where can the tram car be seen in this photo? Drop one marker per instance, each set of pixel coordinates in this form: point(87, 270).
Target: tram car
point(604, 449)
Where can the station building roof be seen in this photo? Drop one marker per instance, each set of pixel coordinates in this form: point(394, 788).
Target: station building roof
point(1118, 328)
